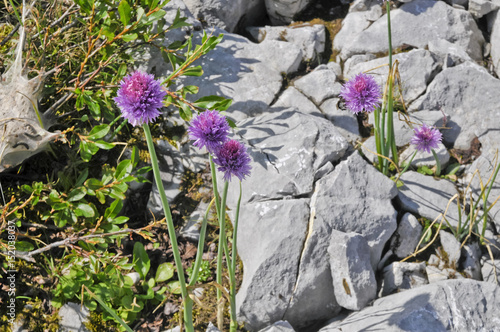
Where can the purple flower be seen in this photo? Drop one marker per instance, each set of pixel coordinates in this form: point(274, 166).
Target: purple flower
point(139, 98)
point(210, 130)
point(233, 159)
point(361, 93)
point(426, 138)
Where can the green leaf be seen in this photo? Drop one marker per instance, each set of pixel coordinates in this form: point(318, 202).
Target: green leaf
point(82, 177)
point(141, 260)
point(77, 194)
point(104, 145)
point(125, 12)
point(84, 210)
point(185, 112)
point(129, 37)
point(193, 71)
point(123, 169)
point(24, 246)
point(98, 132)
point(93, 184)
point(113, 210)
point(192, 89)
point(164, 272)
point(174, 287)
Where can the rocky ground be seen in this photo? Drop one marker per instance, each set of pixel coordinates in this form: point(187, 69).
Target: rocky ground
point(322, 232)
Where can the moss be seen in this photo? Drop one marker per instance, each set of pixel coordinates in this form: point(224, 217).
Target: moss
point(96, 323)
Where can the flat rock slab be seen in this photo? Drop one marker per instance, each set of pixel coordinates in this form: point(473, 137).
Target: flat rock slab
point(452, 305)
point(425, 196)
point(472, 108)
point(335, 205)
point(287, 149)
point(432, 19)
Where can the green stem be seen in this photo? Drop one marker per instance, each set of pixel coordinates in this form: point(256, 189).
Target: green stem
point(201, 243)
point(222, 242)
point(409, 163)
point(438, 164)
point(234, 324)
point(389, 33)
point(377, 137)
point(188, 303)
point(485, 216)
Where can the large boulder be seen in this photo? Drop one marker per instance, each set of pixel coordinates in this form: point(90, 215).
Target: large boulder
point(432, 19)
point(282, 11)
point(452, 305)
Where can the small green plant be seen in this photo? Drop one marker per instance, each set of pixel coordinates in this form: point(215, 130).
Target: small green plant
point(204, 272)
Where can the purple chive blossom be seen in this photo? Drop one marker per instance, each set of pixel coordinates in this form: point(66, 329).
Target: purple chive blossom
point(361, 93)
point(139, 98)
point(210, 130)
point(426, 138)
point(233, 159)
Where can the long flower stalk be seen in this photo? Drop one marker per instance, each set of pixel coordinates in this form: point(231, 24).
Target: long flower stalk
point(188, 303)
point(232, 291)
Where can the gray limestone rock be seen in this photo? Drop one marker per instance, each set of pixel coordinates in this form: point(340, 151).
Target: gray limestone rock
point(248, 73)
point(211, 328)
point(319, 85)
point(72, 317)
point(279, 326)
point(425, 196)
point(282, 11)
point(354, 281)
point(451, 247)
point(472, 108)
point(452, 305)
point(471, 264)
point(400, 276)
point(479, 8)
point(490, 269)
point(495, 41)
point(310, 38)
point(417, 68)
point(407, 236)
point(292, 97)
point(335, 206)
point(432, 19)
point(450, 54)
point(227, 14)
point(287, 148)
point(344, 120)
point(354, 24)
point(271, 254)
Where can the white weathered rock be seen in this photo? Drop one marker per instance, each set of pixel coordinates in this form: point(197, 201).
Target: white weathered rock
point(73, 316)
point(309, 38)
point(355, 23)
point(479, 8)
point(451, 247)
point(490, 269)
point(452, 305)
point(471, 264)
point(494, 21)
point(432, 19)
point(407, 236)
point(450, 54)
point(319, 85)
point(425, 196)
point(211, 328)
point(335, 205)
point(282, 11)
point(344, 120)
point(227, 14)
point(400, 276)
point(472, 108)
point(292, 97)
point(417, 68)
point(279, 326)
point(353, 278)
point(287, 149)
point(271, 255)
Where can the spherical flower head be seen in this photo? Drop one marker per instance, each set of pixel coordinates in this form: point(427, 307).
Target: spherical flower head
point(361, 93)
point(210, 130)
point(233, 159)
point(426, 138)
point(140, 98)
